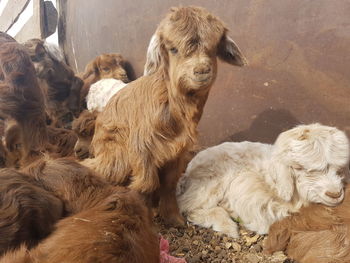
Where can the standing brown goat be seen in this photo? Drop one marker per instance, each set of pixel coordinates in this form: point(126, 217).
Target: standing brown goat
point(147, 128)
point(317, 233)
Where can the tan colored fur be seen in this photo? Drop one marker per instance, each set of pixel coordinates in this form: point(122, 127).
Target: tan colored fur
point(146, 129)
point(316, 234)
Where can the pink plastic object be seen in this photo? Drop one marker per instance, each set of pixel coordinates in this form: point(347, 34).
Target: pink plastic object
point(164, 253)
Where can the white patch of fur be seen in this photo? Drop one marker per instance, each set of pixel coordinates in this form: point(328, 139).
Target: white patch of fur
point(262, 183)
point(100, 93)
point(153, 59)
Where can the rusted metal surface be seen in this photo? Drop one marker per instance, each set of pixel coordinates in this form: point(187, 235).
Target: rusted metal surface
point(298, 53)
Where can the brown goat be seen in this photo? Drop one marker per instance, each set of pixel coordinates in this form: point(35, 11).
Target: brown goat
point(84, 128)
point(22, 107)
point(106, 224)
point(103, 67)
point(62, 141)
point(21, 98)
point(58, 82)
point(317, 233)
point(27, 212)
point(116, 230)
point(148, 138)
point(76, 185)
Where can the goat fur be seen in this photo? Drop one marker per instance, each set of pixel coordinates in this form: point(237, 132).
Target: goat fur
point(21, 98)
point(104, 66)
point(262, 183)
point(84, 128)
point(147, 128)
point(118, 229)
point(317, 233)
point(57, 80)
point(27, 211)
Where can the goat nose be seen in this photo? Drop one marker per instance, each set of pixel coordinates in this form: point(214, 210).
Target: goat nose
point(333, 195)
point(202, 69)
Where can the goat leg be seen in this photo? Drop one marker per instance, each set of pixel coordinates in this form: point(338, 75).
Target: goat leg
point(168, 208)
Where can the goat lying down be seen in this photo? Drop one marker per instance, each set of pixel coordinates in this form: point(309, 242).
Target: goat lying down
point(84, 128)
point(104, 66)
point(105, 223)
point(147, 140)
point(27, 211)
point(261, 183)
point(118, 229)
point(100, 93)
point(317, 233)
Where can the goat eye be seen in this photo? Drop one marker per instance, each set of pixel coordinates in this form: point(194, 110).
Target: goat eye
point(173, 50)
point(105, 69)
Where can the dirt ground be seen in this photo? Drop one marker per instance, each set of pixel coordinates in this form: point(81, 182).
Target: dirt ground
point(197, 244)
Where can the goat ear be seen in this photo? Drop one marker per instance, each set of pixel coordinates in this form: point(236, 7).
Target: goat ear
point(90, 69)
point(12, 137)
point(153, 59)
point(284, 182)
point(229, 52)
point(40, 50)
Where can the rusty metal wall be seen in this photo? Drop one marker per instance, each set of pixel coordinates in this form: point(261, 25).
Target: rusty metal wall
point(298, 53)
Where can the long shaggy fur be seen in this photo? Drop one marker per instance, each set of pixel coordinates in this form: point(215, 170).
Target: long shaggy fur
point(117, 230)
point(76, 185)
point(316, 234)
point(62, 141)
point(20, 95)
point(147, 128)
point(261, 183)
point(58, 82)
point(27, 211)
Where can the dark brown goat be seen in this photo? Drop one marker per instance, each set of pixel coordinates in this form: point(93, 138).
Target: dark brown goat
point(27, 211)
point(117, 230)
point(58, 82)
point(22, 106)
point(149, 138)
point(317, 233)
point(103, 67)
point(84, 127)
point(61, 141)
point(21, 97)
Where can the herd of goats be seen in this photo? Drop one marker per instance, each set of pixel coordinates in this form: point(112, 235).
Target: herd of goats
point(88, 160)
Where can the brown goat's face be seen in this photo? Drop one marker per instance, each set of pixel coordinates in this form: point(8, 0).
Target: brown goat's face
point(186, 45)
point(107, 66)
point(82, 147)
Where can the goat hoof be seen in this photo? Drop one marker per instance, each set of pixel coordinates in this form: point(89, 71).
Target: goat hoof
point(174, 220)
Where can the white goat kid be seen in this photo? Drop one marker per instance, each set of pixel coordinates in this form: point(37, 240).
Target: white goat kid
point(262, 183)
